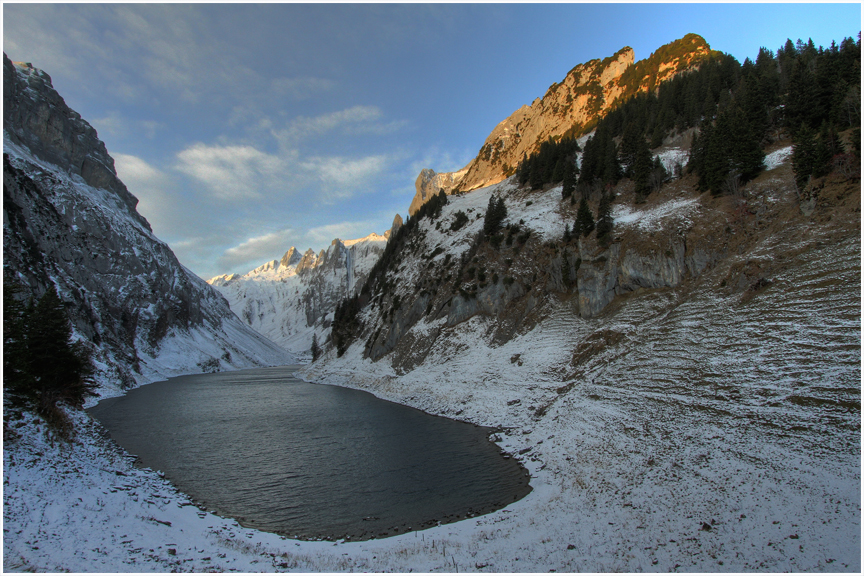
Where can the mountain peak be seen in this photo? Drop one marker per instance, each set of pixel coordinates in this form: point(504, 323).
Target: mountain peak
point(36, 116)
point(569, 108)
point(291, 257)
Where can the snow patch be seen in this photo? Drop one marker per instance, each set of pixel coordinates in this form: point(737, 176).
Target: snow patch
point(778, 158)
point(651, 219)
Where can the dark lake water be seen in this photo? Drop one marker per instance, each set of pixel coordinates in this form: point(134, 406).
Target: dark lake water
point(310, 460)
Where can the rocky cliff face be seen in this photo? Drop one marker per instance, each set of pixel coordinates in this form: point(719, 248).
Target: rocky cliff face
point(36, 116)
point(570, 107)
point(68, 222)
point(447, 287)
point(291, 299)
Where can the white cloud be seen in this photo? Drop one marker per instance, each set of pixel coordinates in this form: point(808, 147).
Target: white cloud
point(345, 173)
point(231, 172)
point(242, 172)
point(117, 125)
point(134, 169)
point(255, 251)
point(150, 185)
point(354, 120)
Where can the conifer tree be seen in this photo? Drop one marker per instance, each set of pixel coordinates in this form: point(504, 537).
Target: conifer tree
point(316, 350)
point(558, 172)
point(569, 184)
point(643, 165)
point(496, 213)
point(630, 144)
point(803, 156)
point(584, 219)
point(802, 103)
point(658, 175)
point(604, 218)
point(46, 369)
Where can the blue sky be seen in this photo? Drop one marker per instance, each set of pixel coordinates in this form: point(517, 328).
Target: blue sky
point(247, 129)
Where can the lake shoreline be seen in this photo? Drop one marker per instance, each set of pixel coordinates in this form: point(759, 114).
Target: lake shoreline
point(145, 453)
point(85, 507)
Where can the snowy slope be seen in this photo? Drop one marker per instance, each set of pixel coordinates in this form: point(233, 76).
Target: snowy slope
point(690, 429)
point(705, 418)
point(707, 422)
point(289, 300)
point(143, 314)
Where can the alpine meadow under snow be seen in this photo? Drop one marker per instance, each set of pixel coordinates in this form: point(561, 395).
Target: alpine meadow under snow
point(681, 378)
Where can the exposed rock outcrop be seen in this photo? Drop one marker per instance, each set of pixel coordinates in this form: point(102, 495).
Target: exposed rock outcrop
point(291, 258)
point(570, 107)
point(37, 117)
point(429, 183)
point(69, 223)
point(602, 277)
point(394, 228)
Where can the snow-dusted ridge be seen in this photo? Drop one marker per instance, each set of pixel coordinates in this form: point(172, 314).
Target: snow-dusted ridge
point(291, 299)
point(69, 223)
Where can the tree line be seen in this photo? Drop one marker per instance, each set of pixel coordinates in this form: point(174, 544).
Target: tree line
point(43, 370)
point(346, 323)
point(810, 93)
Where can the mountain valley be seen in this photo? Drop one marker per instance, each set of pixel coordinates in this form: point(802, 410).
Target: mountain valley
point(642, 283)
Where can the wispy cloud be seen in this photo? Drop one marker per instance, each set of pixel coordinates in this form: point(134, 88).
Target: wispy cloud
point(303, 127)
point(150, 185)
point(300, 88)
point(242, 172)
point(116, 124)
point(232, 172)
point(345, 173)
point(254, 251)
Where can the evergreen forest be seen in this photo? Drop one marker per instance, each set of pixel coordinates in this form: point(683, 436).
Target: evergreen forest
point(808, 93)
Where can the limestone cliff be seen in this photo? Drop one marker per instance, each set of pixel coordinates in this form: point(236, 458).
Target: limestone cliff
point(571, 107)
point(69, 223)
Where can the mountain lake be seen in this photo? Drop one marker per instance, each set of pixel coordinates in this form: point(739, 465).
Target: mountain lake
point(310, 461)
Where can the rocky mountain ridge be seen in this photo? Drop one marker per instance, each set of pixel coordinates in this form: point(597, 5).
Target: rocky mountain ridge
point(569, 108)
point(70, 223)
point(291, 299)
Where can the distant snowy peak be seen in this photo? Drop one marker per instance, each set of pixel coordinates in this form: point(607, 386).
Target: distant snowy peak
point(373, 237)
point(290, 299)
point(291, 257)
point(293, 263)
point(223, 279)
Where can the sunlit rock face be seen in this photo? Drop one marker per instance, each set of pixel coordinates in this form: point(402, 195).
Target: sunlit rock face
point(70, 223)
point(291, 299)
point(570, 107)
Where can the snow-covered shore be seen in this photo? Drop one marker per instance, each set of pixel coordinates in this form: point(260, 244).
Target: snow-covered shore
point(683, 430)
point(624, 479)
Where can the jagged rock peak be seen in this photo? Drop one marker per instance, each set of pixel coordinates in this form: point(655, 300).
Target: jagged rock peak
point(429, 183)
point(308, 261)
point(394, 228)
point(266, 267)
point(291, 257)
point(36, 116)
point(223, 279)
point(568, 108)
